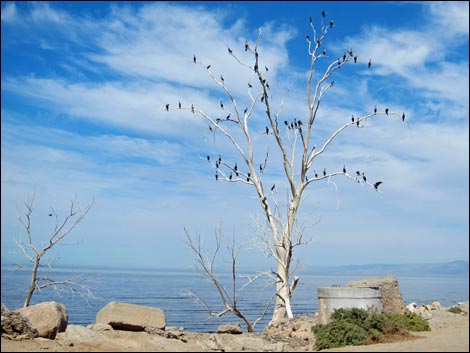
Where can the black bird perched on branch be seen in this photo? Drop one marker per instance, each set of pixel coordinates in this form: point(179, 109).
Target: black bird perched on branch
point(229, 50)
point(220, 159)
point(324, 171)
point(261, 168)
point(316, 174)
point(228, 116)
point(376, 185)
point(324, 51)
point(222, 78)
point(375, 110)
point(352, 118)
point(192, 108)
point(179, 105)
point(369, 64)
point(350, 52)
point(246, 109)
point(208, 67)
point(194, 59)
point(216, 176)
point(221, 104)
point(246, 45)
point(249, 85)
point(286, 122)
point(307, 38)
point(403, 117)
point(344, 169)
point(386, 111)
point(323, 13)
point(208, 158)
point(50, 214)
point(273, 187)
point(364, 177)
point(266, 68)
point(267, 130)
point(355, 59)
point(331, 23)
point(358, 173)
point(167, 107)
point(310, 19)
point(357, 122)
point(230, 176)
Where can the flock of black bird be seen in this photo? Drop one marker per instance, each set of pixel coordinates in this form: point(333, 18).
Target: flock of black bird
point(295, 124)
point(403, 116)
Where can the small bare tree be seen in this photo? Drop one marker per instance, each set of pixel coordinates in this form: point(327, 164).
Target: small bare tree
point(36, 254)
point(206, 264)
point(295, 141)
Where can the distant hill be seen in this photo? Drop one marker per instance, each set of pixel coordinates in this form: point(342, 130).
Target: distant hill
point(454, 268)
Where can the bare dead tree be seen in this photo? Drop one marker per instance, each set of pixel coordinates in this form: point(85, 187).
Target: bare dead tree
point(206, 265)
point(36, 254)
point(296, 145)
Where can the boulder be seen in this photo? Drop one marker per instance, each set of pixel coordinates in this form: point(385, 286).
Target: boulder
point(16, 326)
point(77, 333)
point(48, 318)
point(131, 317)
point(392, 300)
point(234, 329)
point(100, 327)
point(412, 307)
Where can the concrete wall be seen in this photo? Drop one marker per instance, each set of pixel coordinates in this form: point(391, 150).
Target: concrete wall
point(331, 298)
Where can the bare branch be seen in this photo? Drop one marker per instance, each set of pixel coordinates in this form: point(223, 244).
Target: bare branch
point(36, 256)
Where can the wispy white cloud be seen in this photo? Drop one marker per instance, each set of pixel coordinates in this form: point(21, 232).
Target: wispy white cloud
point(450, 17)
point(41, 12)
point(9, 13)
point(423, 60)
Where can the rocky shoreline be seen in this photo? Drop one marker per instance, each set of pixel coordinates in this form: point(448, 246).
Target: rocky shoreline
point(448, 330)
point(124, 327)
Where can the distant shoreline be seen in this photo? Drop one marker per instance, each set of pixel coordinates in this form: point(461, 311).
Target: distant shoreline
point(458, 268)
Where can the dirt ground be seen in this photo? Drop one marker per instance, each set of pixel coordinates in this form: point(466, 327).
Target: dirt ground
point(450, 333)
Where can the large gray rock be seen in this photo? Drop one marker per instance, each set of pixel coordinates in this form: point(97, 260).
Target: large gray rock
point(392, 300)
point(131, 317)
point(234, 329)
point(48, 318)
point(16, 326)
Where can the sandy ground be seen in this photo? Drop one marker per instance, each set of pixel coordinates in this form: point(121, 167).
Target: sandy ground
point(450, 333)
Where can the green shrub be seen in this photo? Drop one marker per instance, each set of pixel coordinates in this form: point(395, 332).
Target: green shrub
point(355, 326)
point(408, 321)
point(338, 333)
point(455, 310)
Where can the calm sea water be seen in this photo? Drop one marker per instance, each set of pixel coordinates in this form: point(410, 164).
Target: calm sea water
point(168, 290)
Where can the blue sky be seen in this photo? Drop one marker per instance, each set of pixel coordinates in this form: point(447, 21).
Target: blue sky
point(84, 85)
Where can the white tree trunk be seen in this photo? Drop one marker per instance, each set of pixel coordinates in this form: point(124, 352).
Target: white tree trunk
point(282, 308)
